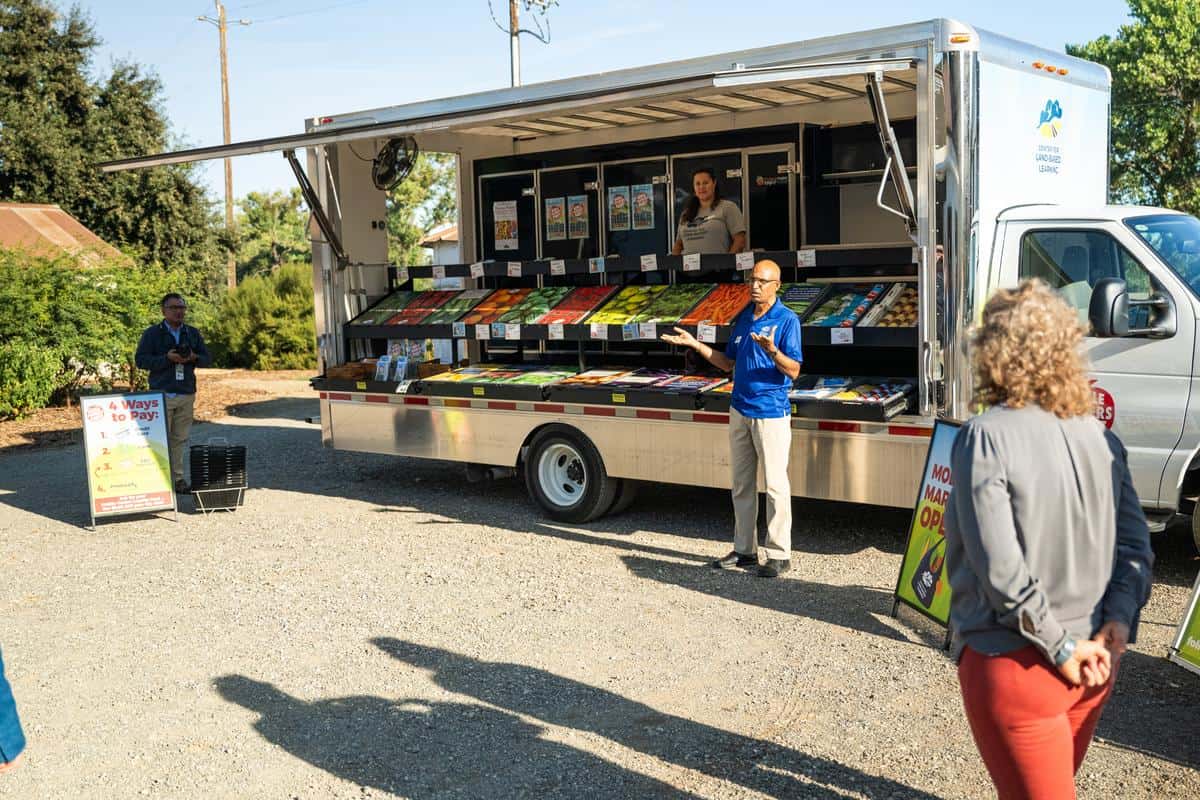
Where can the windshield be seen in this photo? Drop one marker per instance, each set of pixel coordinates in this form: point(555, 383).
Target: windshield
point(1176, 240)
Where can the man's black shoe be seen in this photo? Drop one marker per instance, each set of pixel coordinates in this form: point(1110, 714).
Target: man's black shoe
point(774, 567)
point(734, 559)
point(182, 487)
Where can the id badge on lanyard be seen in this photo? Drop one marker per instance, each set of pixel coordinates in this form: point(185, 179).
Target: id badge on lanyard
point(179, 372)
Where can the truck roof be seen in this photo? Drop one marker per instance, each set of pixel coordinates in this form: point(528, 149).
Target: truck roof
point(1105, 213)
point(804, 71)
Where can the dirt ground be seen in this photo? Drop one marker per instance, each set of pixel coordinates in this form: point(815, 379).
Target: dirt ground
point(370, 626)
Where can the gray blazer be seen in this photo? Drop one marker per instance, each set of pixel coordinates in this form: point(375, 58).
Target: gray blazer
point(1045, 538)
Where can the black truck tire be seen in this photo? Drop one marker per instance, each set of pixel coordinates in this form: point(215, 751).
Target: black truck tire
point(565, 475)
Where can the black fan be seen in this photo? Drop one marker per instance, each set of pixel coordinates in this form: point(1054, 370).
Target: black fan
point(394, 162)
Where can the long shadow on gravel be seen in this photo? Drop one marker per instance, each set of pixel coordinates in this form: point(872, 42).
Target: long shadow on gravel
point(1153, 710)
point(847, 606)
point(418, 748)
point(761, 766)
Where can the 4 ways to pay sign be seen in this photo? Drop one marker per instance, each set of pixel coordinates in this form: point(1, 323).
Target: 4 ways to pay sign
point(127, 454)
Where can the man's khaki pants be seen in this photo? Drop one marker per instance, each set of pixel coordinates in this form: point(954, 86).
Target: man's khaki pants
point(179, 427)
point(767, 442)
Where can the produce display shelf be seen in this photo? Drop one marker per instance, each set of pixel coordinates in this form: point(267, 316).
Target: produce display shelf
point(323, 384)
point(819, 263)
point(490, 391)
point(640, 397)
point(819, 336)
point(571, 333)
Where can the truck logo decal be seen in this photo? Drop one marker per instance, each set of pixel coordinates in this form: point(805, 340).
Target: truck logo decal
point(1050, 121)
point(1105, 408)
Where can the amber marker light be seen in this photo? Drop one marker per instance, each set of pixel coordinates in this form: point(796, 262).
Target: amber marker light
point(960, 38)
point(1062, 70)
point(1038, 64)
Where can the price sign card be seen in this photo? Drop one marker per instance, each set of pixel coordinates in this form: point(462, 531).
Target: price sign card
point(595, 265)
point(629, 331)
point(556, 331)
point(458, 330)
point(439, 272)
point(477, 269)
point(598, 330)
point(706, 333)
point(558, 267)
point(841, 336)
point(744, 260)
point(691, 262)
point(647, 330)
point(497, 330)
point(649, 263)
point(806, 258)
point(514, 269)
point(483, 332)
point(512, 331)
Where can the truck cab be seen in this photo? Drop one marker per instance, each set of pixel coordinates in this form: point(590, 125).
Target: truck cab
point(1143, 265)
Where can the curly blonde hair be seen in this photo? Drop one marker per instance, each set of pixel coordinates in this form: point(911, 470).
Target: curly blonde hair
point(1026, 350)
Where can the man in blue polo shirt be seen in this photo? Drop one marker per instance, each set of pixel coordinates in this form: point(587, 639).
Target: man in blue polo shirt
point(764, 355)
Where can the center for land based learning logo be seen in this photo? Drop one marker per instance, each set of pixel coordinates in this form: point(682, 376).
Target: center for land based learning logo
point(1050, 120)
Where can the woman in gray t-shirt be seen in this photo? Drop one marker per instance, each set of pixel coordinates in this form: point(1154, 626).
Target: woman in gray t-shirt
point(709, 224)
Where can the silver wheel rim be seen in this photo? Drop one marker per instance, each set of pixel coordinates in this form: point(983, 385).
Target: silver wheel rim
point(562, 475)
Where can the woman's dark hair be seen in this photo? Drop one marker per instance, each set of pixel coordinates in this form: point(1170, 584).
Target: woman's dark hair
point(692, 207)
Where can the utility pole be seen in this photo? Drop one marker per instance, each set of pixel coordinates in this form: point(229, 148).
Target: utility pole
point(514, 43)
point(222, 26)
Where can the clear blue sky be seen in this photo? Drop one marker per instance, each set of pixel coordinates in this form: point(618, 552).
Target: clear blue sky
point(302, 58)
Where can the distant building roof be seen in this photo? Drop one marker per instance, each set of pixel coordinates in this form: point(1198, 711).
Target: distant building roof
point(46, 230)
point(442, 233)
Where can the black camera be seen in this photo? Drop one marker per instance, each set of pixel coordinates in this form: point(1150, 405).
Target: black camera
point(184, 350)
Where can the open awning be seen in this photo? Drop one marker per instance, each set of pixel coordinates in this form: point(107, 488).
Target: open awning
point(555, 109)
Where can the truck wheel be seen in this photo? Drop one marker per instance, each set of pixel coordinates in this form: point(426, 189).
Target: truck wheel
point(566, 477)
point(625, 495)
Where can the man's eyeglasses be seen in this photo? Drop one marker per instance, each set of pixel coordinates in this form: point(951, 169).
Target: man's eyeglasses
point(761, 281)
point(176, 308)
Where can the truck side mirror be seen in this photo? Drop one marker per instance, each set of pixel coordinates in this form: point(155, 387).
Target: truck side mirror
point(1108, 310)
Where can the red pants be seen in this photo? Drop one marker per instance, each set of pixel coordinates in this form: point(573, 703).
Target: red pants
point(1031, 727)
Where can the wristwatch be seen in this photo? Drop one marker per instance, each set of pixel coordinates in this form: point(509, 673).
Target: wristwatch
point(1065, 651)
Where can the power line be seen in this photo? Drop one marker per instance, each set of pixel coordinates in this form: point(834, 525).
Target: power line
point(309, 11)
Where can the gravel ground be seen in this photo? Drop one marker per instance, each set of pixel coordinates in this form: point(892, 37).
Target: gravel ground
point(369, 626)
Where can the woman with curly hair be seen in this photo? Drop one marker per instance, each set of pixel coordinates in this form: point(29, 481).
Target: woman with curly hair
point(1048, 552)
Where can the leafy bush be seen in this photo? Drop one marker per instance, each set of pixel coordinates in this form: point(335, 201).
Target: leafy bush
point(28, 377)
point(92, 316)
point(267, 322)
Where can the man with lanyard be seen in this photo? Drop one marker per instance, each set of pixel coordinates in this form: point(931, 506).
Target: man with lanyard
point(171, 351)
point(764, 355)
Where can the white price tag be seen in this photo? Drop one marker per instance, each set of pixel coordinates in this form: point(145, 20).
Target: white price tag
point(498, 330)
point(649, 263)
point(806, 258)
point(477, 269)
point(512, 331)
point(647, 330)
point(629, 332)
point(691, 262)
point(403, 276)
point(483, 332)
point(744, 260)
point(598, 330)
point(841, 336)
point(595, 265)
point(439, 272)
point(706, 333)
point(556, 330)
point(458, 330)
point(558, 267)
point(514, 269)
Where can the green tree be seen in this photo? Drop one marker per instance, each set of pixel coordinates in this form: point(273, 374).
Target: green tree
point(1155, 64)
point(425, 199)
point(272, 231)
point(267, 321)
point(57, 124)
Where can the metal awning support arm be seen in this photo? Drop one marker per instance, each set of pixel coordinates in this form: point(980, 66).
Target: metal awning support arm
point(318, 211)
point(895, 168)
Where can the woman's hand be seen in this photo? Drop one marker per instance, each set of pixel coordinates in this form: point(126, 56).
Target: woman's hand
point(1090, 665)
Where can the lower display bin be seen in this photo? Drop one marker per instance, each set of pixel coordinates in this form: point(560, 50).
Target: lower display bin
point(639, 397)
point(493, 391)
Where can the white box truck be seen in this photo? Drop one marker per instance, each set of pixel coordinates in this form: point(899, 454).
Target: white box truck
point(934, 155)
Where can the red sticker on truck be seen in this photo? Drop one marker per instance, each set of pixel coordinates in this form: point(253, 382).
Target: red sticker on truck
point(1106, 409)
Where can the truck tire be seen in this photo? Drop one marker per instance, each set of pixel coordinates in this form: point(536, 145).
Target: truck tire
point(626, 494)
point(565, 476)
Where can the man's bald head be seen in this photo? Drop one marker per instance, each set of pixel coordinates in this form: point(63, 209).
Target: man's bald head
point(764, 283)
